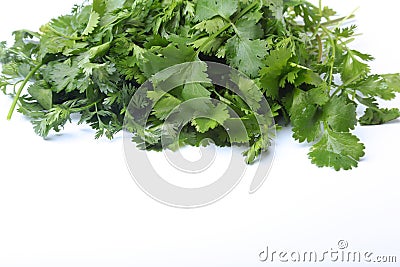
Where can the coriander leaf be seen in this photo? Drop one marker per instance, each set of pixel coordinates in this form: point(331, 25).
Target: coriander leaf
point(54, 119)
point(194, 90)
point(276, 7)
point(63, 75)
point(276, 63)
point(249, 29)
point(377, 116)
point(249, 91)
point(374, 115)
point(337, 150)
point(105, 78)
point(318, 95)
point(256, 149)
point(164, 103)
point(167, 57)
point(246, 55)
point(306, 115)
point(214, 117)
point(353, 68)
point(99, 6)
point(307, 124)
point(210, 26)
point(52, 43)
point(340, 114)
point(312, 78)
point(92, 23)
point(207, 9)
point(60, 34)
point(375, 85)
point(204, 124)
point(346, 32)
point(393, 81)
point(206, 46)
point(236, 130)
point(42, 93)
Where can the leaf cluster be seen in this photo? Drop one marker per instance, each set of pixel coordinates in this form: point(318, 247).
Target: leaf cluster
point(93, 60)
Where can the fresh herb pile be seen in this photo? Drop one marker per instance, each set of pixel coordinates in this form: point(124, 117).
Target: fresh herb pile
point(92, 61)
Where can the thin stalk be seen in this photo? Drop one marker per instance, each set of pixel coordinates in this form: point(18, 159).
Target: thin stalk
point(76, 110)
point(333, 57)
point(320, 48)
point(336, 91)
point(320, 7)
point(338, 20)
point(292, 64)
point(212, 37)
point(18, 93)
point(351, 15)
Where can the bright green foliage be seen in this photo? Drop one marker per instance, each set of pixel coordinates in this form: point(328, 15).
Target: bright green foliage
point(207, 9)
point(92, 61)
point(275, 65)
point(246, 55)
point(215, 116)
point(41, 92)
point(337, 150)
point(340, 114)
point(92, 23)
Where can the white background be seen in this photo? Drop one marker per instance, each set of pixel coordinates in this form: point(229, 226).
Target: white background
point(70, 200)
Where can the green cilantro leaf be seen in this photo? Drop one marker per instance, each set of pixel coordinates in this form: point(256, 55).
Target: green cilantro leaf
point(353, 68)
point(337, 150)
point(207, 9)
point(42, 93)
point(276, 63)
point(340, 114)
point(92, 24)
point(246, 55)
point(306, 114)
point(214, 117)
point(376, 116)
point(194, 90)
point(210, 26)
point(164, 103)
point(63, 75)
point(375, 85)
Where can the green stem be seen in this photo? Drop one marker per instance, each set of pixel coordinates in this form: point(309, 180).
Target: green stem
point(100, 122)
point(295, 65)
point(333, 56)
point(355, 78)
point(338, 20)
point(221, 98)
point(212, 37)
point(336, 91)
point(343, 86)
point(351, 15)
point(320, 7)
point(75, 110)
point(320, 48)
point(18, 93)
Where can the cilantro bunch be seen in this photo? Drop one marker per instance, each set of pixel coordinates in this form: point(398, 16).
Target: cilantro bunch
point(92, 62)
